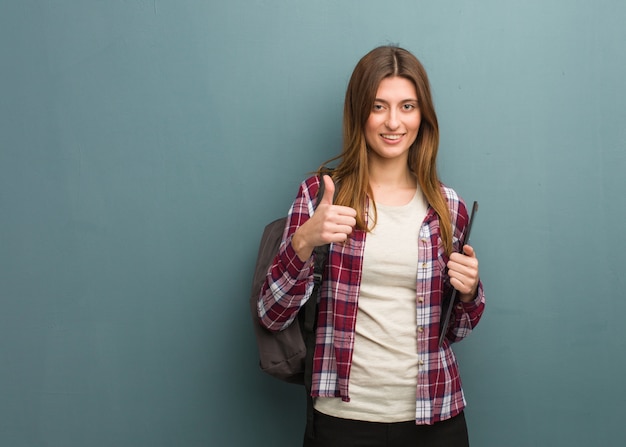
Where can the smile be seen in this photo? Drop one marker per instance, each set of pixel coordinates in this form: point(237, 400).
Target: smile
point(389, 136)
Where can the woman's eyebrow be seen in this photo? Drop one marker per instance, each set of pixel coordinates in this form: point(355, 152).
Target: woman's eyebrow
point(402, 101)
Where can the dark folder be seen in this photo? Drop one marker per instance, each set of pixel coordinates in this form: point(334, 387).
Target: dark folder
point(449, 302)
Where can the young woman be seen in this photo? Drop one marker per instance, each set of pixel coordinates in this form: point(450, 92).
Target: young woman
point(380, 377)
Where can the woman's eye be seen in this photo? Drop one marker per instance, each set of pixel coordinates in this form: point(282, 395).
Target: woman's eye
point(377, 107)
point(409, 106)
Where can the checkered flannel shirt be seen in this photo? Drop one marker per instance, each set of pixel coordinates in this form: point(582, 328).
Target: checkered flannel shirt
point(289, 284)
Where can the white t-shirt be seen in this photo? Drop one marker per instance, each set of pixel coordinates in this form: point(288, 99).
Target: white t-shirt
point(383, 376)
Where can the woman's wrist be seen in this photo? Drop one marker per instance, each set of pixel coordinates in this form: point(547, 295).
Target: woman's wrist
point(300, 246)
point(468, 297)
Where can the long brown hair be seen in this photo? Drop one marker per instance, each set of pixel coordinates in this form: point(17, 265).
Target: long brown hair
point(352, 172)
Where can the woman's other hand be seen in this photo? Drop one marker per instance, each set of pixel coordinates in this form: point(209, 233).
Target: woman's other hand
point(463, 272)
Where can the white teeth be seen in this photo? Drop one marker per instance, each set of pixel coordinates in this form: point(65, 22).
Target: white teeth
point(391, 137)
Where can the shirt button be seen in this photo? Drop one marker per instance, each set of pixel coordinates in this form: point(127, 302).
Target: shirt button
point(420, 299)
point(424, 264)
point(424, 240)
point(420, 329)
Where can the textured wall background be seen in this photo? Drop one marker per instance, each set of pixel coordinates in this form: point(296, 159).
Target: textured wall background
point(144, 145)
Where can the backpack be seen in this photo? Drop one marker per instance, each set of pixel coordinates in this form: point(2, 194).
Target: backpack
point(283, 354)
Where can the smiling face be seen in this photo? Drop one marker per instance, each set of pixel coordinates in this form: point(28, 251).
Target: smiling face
point(394, 120)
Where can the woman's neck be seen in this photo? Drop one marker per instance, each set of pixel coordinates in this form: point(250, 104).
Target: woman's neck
point(391, 175)
point(392, 184)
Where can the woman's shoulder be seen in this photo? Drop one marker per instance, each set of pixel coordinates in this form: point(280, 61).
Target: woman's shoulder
point(456, 204)
point(308, 190)
point(450, 194)
point(311, 182)
point(310, 185)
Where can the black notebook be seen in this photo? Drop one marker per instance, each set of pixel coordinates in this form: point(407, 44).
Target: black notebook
point(450, 298)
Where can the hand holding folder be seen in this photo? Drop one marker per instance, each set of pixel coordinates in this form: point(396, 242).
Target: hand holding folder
point(448, 304)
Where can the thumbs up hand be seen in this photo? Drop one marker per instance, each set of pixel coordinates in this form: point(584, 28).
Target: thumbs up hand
point(329, 191)
point(329, 223)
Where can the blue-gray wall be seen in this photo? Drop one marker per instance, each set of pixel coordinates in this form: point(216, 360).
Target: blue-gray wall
point(144, 144)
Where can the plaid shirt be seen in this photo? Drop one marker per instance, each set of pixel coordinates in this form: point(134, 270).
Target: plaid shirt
point(289, 284)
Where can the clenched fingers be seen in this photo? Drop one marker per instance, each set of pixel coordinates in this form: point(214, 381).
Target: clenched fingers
point(463, 271)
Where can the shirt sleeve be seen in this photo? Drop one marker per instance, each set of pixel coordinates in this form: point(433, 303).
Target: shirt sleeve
point(289, 281)
point(467, 316)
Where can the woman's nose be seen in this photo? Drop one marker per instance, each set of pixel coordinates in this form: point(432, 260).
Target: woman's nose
point(392, 122)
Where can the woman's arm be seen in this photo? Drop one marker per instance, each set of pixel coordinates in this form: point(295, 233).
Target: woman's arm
point(464, 277)
point(289, 281)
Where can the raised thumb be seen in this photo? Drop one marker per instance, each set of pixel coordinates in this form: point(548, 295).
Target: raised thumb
point(329, 190)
